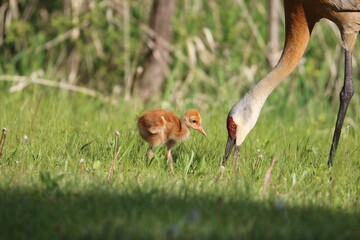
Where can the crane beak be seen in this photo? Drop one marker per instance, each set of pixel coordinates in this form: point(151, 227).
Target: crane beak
point(200, 129)
point(229, 146)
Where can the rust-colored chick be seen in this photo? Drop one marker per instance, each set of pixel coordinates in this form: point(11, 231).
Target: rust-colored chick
point(162, 127)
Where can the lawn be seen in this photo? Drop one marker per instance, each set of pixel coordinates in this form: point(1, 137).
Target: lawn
point(59, 178)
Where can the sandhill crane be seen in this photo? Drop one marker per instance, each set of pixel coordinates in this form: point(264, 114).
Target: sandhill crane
point(300, 18)
point(158, 127)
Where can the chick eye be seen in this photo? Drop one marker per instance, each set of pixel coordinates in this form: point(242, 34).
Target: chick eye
point(194, 121)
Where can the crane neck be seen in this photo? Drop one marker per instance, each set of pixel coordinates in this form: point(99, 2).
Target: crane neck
point(298, 29)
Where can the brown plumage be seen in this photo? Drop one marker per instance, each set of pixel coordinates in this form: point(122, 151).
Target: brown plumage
point(300, 19)
point(162, 127)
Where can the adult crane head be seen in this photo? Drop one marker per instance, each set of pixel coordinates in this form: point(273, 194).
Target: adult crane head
point(241, 119)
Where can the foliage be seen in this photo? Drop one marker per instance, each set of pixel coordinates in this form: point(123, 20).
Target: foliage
point(217, 47)
point(67, 39)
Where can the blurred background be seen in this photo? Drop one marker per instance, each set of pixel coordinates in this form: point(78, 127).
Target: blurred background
point(198, 52)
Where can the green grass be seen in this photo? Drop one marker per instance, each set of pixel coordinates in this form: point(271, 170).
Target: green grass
point(47, 193)
point(54, 182)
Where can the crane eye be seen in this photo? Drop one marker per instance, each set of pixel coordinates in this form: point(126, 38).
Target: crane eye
point(231, 126)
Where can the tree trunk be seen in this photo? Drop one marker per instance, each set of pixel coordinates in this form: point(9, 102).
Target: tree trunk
point(273, 53)
point(155, 65)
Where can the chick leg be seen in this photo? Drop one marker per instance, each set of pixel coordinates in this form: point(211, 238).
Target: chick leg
point(170, 161)
point(150, 153)
point(170, 144)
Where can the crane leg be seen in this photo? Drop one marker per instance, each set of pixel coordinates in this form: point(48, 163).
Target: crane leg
point(345, 96)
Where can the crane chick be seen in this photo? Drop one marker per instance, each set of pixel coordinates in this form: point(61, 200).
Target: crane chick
point(162, 127)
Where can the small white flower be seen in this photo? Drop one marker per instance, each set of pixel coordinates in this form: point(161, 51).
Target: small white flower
point(4, 129)
point(139, 70)
point(17, 162)
point(117, 133)
point(26, 137)
point(258, 150)
point(348, 127)
point(222, 169)
point(82, 160)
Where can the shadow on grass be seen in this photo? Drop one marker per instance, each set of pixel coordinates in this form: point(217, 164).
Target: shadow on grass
point(154, 214)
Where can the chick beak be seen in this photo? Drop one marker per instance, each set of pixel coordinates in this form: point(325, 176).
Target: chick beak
point(229, 146)
point(200, 129)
